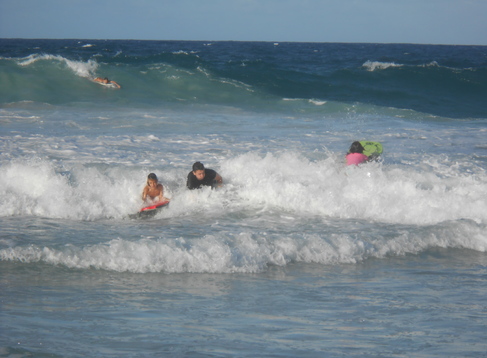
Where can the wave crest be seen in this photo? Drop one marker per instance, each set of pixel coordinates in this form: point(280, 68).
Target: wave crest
point(376, 65)
point(80, 68)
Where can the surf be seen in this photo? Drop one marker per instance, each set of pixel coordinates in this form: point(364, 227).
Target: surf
point(392, 194)
point(443, 81)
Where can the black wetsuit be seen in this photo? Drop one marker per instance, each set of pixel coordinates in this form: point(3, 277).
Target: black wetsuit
point(208, 180)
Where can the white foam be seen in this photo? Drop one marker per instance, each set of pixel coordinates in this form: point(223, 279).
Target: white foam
point(276, 198)
point(35, 187)
point(372, 192)
point(317, 102)
point(432, 192)
point(377, 65)
point(80, 68)
point(247, 251)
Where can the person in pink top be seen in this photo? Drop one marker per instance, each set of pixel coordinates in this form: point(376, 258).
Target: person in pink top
point(355, 155)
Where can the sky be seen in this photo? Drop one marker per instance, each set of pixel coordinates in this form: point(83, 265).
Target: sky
point(454, 22)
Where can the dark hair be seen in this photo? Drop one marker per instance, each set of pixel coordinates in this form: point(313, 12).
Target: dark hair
point(198, 166)
point(152, 176)
point(356, 147)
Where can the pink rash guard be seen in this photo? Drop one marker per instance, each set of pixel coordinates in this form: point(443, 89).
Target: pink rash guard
point(356, 158)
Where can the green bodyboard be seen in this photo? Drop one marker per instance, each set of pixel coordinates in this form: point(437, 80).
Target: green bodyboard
point(371, 149)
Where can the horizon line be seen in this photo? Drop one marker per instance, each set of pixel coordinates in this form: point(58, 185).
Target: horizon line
point(268, 41)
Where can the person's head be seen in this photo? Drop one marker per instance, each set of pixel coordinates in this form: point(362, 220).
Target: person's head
point(356, 147)
point(106, 80)
point(152, 179)
point(199, 170)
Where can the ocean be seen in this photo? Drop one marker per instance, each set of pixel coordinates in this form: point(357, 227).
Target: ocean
point(296, 255)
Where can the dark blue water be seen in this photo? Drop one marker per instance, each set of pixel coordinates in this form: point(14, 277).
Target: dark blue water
point(449, 81)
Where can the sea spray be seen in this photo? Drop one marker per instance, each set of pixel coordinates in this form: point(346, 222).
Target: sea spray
point(296, 255)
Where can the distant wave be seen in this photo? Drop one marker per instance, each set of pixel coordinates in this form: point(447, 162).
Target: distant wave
point(376, 65)
point(446, 81)
point(80, 68)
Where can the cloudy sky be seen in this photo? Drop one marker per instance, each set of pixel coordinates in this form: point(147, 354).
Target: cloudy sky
point(460, 22)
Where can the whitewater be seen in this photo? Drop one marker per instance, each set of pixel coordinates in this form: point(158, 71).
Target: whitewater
point(296, 255)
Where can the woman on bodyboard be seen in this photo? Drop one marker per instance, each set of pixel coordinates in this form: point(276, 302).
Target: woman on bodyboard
point(364, 151)
point(153, 196)
point(153, 190)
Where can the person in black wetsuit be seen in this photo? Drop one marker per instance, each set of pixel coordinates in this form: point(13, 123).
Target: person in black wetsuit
point(200, 176)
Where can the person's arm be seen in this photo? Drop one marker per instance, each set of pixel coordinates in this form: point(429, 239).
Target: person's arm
point(144, 193)
point(116, 84)
point(217, 181)
point(190, 181)
point(161, 193)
